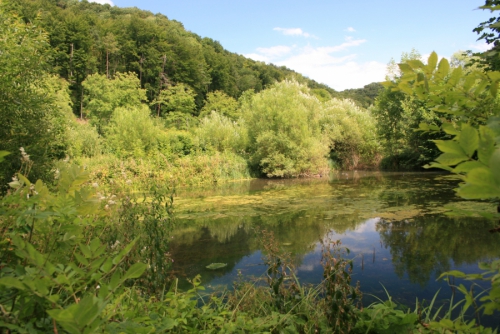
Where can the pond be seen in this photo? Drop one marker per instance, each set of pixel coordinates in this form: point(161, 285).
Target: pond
point(396, 225)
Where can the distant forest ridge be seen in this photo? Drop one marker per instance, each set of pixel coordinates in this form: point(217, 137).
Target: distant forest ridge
point(87, 38)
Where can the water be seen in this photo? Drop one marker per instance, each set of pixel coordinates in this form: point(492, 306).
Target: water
point(394, 224)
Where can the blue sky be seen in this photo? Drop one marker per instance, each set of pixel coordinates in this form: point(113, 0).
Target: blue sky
point(344, 44)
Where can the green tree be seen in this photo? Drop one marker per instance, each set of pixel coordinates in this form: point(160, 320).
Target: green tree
point(131, 132)
point(489, 31)
point(221, 103)
point(30, 114)
point(221, 133)
point(398, 117)
point(284, 133)
point(179, 98)
point(103, 96)
point(351, 134)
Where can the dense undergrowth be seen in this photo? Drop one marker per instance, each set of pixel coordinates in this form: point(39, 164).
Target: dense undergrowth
point(80, 259)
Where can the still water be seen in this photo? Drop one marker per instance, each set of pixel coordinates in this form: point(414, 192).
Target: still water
point(396, 225)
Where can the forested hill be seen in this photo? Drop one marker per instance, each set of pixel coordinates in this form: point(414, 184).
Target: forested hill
point(87, 38)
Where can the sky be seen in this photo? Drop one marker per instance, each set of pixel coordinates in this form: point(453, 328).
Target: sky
point(344, 44)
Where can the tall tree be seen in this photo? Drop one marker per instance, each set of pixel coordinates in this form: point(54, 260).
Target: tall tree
point(28, 109)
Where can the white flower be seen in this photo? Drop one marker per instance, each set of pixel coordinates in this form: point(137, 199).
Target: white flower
point(95, 185)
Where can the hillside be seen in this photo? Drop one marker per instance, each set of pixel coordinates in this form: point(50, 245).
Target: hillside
point(87, 38)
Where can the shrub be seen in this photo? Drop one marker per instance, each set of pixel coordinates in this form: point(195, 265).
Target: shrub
point(131, 132)
point(284, 135)
point(220, 133)
point(351, 134)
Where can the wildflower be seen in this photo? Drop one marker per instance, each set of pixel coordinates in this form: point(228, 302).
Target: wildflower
point(111, 202)
point(24, 156)
point(128, 181)
point(95, 185)
point(117, 242)
point(57, 173)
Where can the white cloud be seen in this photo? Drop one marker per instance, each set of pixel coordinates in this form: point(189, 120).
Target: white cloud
point(321, 64)
point(480, 46)
point(350, 29)
point(294, 32)
point(257, 57)
point(102, 2)
point(275, 51)
point(338, 73)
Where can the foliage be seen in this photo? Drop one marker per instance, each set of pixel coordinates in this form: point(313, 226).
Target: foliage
point(176, 143)
point(103, 96)
point(398, 117)
point(489, 32)
point(53, 273)
point(131, 132)
point(473, 152)
point(351, 134)
point(220, 133)
point(221, 103)
point(84, 140)
point(176, 99)
point(31, 115)
point(87, 38)
point(364, 97)
point(148, 221)
point(284, 134)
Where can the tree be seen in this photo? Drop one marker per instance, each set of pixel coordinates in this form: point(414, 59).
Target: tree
point(132, 132)
point(111, 46)
point(30, 115)
point(284, 133)
point(103, 96)
point(489, 31)
point(398, 117)
point(221, 103)
point(351, 134)
point(178, 98)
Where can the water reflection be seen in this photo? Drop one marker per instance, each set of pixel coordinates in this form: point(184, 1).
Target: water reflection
point(393, 224)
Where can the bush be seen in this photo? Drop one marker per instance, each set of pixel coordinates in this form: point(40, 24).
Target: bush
point(220, 133)
point(284, 135)
point(351, 134)
point(131, 132)
point(84, 141)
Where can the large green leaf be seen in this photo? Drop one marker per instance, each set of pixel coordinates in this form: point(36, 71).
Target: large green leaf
point(480, 184)
point(432, 62)
point(443, 68)
point(451, 159)
point(135, 271)
point(495, 166)
point(469, 139)
point(486, 144)
point(3, 154)
point(466, 167)
point(449, 146)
